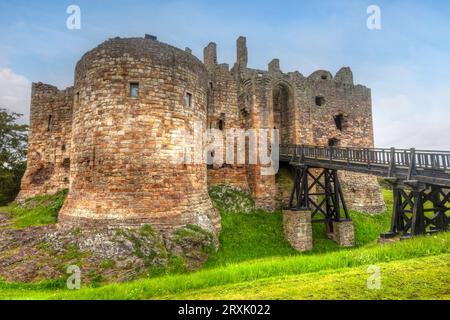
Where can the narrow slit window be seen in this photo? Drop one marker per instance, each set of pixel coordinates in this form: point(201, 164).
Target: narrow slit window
point(49, 123)
point(188, 100)
point(221, 124)
point(339, 121)
point(134, 90)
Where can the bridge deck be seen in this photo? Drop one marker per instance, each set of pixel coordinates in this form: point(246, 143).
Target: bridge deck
point(421, 166)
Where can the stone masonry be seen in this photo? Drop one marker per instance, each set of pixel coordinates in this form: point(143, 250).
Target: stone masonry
point(343, 233)
point(109, 138)
point(298, 229)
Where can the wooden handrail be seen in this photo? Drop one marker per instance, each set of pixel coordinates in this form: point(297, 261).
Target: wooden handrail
point(411, 159)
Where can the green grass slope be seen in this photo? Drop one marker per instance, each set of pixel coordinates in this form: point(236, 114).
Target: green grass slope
point(243, 272)
point(36, 211)
point(423, 279)
point(256, 262)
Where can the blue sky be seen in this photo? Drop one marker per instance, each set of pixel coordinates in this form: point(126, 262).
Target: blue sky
point(406, 63)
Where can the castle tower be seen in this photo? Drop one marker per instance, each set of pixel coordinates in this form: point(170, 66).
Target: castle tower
point(136, 101)
point(49, 141)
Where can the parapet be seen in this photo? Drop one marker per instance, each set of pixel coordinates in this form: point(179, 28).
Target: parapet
point(274, 66)
point(344, 75)
point(210, 56)
point(39, 88)
point(320, 75)
point(241, 52)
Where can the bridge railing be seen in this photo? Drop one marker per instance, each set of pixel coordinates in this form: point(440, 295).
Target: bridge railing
point(412, 159)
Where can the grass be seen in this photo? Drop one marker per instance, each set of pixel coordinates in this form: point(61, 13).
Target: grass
point(258, 234)
point(424, 278)
point(256, 262)
point(36, 211)
point(245, 272)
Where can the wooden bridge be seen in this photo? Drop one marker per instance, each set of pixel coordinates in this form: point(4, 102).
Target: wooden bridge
point(420, 182)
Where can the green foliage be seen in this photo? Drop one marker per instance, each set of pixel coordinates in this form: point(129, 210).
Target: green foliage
point(36, 211)
point(13, 151)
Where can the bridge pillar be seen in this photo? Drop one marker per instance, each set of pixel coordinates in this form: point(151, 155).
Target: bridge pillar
point(418, 209)
point(343, 233)
point(318, 192)
point(298, 229)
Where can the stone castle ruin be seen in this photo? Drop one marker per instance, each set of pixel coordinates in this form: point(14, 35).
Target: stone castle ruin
point(109, 138)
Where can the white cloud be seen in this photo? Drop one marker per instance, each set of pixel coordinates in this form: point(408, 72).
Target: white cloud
point(419, 119)
point(15, 92)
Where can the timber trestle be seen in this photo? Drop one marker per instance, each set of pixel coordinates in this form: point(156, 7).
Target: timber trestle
point(318, 190)
point(418, 209)
point(420, 182)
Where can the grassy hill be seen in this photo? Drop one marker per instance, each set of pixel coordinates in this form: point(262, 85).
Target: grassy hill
point(256, 262)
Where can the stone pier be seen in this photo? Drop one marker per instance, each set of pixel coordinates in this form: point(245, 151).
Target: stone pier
point(343, 233)
point(298, 229)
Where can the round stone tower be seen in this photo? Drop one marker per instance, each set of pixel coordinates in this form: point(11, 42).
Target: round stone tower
point(135, 101)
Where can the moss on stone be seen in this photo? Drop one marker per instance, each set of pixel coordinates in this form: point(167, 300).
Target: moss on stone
point(196, 244)
point(229, 200)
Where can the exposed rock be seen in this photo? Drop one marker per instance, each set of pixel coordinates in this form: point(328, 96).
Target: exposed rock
point(117, 254)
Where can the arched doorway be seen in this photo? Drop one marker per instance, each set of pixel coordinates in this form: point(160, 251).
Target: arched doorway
point(282, 109)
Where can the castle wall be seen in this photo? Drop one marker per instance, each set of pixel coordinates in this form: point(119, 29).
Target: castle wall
point(115, 152)
point(48, 163)
point(353, 105)
point(224, 113)
point(124, 148)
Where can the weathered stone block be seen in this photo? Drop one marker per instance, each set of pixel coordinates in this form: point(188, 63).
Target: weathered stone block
point(343, 233)
point(298, 229)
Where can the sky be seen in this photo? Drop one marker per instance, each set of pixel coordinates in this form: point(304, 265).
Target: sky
point(406, 63)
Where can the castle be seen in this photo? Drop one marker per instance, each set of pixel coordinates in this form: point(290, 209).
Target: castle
point(108, 139)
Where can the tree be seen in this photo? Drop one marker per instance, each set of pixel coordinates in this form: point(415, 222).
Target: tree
point(13, 152)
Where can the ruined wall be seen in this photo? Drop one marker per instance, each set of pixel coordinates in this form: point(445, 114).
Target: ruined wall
point(123, 147)
point(48, 161)
point(120, 150)
point(315, 110)
point(224, 113)
point(341, 115)
point(229, 175)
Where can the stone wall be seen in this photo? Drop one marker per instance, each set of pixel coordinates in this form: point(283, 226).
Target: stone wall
point(123, 147)
point(48, 162)
point(305, 110)
point(298, 229)
point(353, 105)
point(119, 148)
point(229, 175)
